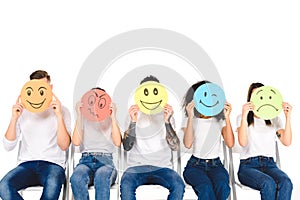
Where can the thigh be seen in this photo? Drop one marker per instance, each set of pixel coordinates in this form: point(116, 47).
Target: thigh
point(21, 177)
point(82, 173)
point(218, 175)
point(277, 174)
point(195, 176)
point(52, 174)
point(134, 177)
point(167, 178)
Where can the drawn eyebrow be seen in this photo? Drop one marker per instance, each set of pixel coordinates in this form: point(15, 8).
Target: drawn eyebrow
point(259, 91)
point(273, 91)
point(42, 88)
point(95, 93)
point(102, 95)
point(29, 88)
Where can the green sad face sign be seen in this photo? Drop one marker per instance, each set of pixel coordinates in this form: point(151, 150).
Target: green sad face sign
point(267, 102)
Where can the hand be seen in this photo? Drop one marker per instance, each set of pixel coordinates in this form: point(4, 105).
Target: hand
point(133, 112)
point(168, 112)
point(249, 106)
point(17, 109)
point(227, 110)
point(56, 105)
point(190, 109)
point(287, 109)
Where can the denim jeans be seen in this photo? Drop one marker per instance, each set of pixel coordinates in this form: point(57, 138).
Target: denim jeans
point(261, 173)
point(208, 177)
point(33, 173)
point(136, 176)
point(93, 169)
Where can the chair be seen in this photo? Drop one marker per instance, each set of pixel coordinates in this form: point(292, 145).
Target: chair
point(155, 191)
point(233, 176)
point(189, 191)
point(64, 195)
point(74, 159)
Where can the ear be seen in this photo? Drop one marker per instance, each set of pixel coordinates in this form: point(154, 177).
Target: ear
point(51, 86)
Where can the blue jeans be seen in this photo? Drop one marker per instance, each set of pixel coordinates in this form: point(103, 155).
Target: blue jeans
point(261, 173)
point(33, 173)
point(208, 177)
point(93, 169)
point(134, 177)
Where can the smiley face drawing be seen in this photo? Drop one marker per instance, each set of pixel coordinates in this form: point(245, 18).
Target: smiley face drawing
point(36, 95)
point(96, 105)
point(267, 102)
point(209, 99)
point(151, 97)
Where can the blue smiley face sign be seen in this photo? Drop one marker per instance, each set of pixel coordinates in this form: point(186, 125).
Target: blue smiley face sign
point(209, 99)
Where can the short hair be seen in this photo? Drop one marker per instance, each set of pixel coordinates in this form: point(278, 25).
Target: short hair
point(39, 74)
point(98, 88)
point(149, 78)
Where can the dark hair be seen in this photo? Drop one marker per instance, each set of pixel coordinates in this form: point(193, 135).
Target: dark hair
point(149, 78)
point(250, 116)
point(98, 88)
point(39, 74)
point(190, 95)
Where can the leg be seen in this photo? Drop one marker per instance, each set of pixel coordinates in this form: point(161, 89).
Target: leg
point(131, 179)
point(80, 180)
point(169, 179)
point(258, 180)
point(104, 177)
point(198, 179)
point(284, 183)
point(18, 178)
point(220, 181)
point(52, 177)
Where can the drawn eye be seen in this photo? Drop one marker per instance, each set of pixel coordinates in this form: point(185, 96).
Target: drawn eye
point(261, 98)
point(270, 97)
point(146, 92)
point(91, 100)
point(205, 94)
point(28, 92)
point(42, 92)
point(155, 91)
point(102, 103)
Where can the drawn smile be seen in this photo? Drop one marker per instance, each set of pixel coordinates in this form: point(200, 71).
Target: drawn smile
point(36, 105)
point(151, 106)
point(208, 105)
point(267, 105)
point(93, 113)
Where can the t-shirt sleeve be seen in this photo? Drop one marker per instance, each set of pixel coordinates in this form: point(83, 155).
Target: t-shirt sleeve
point(278, 123)
point(67, 119)
point(238, 121)
point(184, 122)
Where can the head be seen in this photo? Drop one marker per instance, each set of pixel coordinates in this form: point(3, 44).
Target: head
point(250, 117)
point(40, 74)
point(189, 96)
point(151, 96)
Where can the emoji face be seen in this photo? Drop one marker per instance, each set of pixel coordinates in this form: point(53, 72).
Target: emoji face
point(209, 99)
point(151, 97)
point(96, 105)
point(267, 102)
point(36, 95)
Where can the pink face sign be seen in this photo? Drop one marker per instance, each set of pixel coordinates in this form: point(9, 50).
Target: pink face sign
point(96, 105)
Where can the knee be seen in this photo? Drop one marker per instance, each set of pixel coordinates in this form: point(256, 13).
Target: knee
point(286, 184)
point(269, 185)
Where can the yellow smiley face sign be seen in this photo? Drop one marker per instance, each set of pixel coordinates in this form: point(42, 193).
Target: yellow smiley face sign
point(36, 95)
point(151, 97)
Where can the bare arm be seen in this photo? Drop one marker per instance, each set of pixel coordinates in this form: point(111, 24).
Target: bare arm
point(78, 130)
point(130, 135)
point(115, 133)
point(227, 129)
point(63, 136)
point(242, 130)
point(188, 138)
point(285, 135)
point(11, 130)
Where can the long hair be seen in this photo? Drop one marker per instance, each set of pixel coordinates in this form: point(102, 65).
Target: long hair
point(190, 95)
point(250, 116)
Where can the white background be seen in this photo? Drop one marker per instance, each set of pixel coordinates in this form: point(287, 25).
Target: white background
point(248, 42)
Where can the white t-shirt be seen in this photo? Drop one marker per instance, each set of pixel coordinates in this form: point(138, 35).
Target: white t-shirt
point(39, 136)
point(207, 136)
point(261, 138)
point(150, 147)
point(97, 136)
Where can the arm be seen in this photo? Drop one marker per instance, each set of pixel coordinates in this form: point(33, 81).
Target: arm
point(171, 136)
point(242, 130)
point(78, 130)
point(130, 135)
point(285, 135)
point(10, 134)
point(63, 136)
point(227, 129)
point(115, 133)
point(188, 138)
